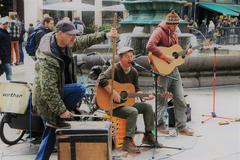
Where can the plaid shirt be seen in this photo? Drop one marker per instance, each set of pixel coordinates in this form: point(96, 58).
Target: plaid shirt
point(14, 30)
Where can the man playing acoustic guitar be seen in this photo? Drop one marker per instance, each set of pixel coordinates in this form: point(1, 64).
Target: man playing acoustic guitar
point(165, 36)
point(126, 74)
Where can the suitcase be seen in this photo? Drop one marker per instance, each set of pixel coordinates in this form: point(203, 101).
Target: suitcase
point(89, 140)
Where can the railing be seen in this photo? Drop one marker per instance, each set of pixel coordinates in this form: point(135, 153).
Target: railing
point(228, 35)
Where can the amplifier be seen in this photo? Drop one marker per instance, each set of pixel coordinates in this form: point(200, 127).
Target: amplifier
point(89, 140)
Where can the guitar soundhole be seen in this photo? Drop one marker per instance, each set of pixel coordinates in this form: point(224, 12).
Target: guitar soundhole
point(124, 95)
point(175, 55)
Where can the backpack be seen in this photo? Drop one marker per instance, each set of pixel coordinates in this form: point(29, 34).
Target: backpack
point(31, 47)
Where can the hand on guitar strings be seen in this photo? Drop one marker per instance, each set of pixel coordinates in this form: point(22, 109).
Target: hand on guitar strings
point(189, 51)
point(149, 97)
point(167, 58)
point(116, 97)
point(167, 95)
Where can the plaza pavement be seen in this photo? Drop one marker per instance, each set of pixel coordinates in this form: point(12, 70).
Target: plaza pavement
point(210, 142)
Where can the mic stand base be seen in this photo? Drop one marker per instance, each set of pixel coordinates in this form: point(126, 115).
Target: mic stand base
point(155, 147)
point(214, 115)
point(158, 147)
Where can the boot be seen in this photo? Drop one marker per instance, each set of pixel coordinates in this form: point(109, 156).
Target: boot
point(186, 131)
point(150, 140)
point(163, 129)
point(129, 146)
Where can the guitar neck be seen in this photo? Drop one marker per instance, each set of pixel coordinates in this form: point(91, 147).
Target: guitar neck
point(184, 52)
point(133, 95)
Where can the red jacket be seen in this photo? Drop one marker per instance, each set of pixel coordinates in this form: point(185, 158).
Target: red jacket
point(161, 36)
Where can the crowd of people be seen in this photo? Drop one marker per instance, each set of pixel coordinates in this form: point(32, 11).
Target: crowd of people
point(215, 29)
point(14, 55)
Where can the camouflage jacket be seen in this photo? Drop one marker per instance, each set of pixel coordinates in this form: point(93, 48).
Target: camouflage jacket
point(49, 79)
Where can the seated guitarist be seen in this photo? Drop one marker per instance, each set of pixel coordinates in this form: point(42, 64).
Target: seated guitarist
point(125, 73)
point(165, 36)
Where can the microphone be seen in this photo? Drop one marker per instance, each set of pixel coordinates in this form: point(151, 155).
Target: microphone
point(138, 65)
point(132, 63)
point(91, 53)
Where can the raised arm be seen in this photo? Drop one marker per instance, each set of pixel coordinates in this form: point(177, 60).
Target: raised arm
point(85, 41)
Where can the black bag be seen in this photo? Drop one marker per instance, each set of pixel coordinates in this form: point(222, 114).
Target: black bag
point(171, 117)
point(1, 69)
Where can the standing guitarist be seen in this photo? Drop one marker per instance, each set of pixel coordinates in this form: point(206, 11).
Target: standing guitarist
point(125, 73)
point(165, 36)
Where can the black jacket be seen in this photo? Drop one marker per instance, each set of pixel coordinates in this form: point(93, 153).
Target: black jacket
point(5, 46)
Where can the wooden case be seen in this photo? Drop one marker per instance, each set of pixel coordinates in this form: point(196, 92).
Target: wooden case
point(85, 141)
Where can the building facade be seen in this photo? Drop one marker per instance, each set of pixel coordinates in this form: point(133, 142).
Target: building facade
point(33, 11)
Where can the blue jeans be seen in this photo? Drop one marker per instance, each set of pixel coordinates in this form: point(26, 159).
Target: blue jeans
point(73, 93)
point(8, 70)
point(21, 53)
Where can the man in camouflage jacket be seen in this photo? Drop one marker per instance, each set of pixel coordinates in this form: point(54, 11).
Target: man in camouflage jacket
point(55, 92)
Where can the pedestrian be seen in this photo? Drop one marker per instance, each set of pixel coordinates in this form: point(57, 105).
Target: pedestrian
point(55, 91)
point(203, 28)
point(165, 36)
point(79, 25)
point(5, 48)
point(211, 29)
point(14, 30)
point(46, 26)
point(21, 40)
point(30, 29)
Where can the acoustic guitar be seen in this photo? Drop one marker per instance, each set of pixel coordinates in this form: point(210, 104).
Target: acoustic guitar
point(163, 67)
point(126, 92)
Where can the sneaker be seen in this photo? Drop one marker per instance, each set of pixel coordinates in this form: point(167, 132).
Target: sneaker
point(150, 140)
point(186, 131)
point(129, 146)
point(163, 130)
point(54, 150)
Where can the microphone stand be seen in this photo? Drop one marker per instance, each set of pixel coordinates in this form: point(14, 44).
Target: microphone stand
point(213, 113)
point(155, 75)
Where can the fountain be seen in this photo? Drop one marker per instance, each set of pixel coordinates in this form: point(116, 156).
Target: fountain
point(135, 31)
point(149, 13)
